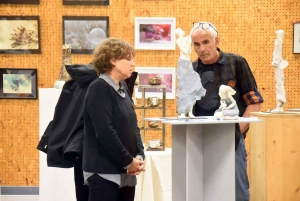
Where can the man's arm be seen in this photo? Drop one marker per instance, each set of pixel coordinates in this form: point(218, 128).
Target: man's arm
point(250, 108)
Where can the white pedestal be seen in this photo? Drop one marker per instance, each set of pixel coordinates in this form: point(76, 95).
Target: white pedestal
point(56, 184)
point(203, 158)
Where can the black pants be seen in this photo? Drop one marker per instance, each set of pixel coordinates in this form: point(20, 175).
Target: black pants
point(101, 189)
point(82, 191)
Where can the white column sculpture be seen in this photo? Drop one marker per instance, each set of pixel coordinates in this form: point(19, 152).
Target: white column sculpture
point(190, 88)
point(279, 65)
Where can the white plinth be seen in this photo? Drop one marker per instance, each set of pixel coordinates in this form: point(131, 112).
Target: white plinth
point(203, 158)
point(56, 184)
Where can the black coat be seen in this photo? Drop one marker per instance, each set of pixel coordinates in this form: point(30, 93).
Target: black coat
point(62, 140)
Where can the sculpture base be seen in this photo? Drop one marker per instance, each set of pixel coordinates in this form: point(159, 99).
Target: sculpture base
point(59, 84)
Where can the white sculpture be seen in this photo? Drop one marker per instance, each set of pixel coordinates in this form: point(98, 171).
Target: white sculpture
point(190, 88)
point(279, 65)
point(228, 108)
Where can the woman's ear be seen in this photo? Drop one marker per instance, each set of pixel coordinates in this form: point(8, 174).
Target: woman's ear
point(113, 62)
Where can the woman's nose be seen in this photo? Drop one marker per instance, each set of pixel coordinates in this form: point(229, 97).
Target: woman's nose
point(132, 63)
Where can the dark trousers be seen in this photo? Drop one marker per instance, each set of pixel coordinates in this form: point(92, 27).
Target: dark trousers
point(101, 189)
point(82, 191)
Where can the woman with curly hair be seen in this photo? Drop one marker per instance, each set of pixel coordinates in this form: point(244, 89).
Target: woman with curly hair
point(112, 151)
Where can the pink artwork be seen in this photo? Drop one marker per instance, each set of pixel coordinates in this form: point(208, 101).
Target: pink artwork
point(154, 32)
point(168, 79)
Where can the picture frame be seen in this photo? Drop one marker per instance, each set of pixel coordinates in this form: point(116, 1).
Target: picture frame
point(84, 33)
point(18, 83)
point(20, 35)
point(19, 1)
point(168, 75)
point(154, 33)
point(296, 44)
point(86, 2)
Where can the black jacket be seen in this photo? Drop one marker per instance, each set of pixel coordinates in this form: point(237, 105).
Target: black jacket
point(62, 140)
point(111, 134)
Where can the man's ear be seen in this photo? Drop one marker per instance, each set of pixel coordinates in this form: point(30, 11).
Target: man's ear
point(217, 41)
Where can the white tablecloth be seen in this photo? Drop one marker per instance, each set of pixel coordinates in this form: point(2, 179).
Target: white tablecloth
point(155, 184)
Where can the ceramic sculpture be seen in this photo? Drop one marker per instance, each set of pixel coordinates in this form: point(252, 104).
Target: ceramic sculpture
point(228, 108)
point(66, 60)
point(279, 65)
point(190, 88)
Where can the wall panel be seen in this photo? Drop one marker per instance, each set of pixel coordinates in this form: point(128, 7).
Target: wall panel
point(246, 27)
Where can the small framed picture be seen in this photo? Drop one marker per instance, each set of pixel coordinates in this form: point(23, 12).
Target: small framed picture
point(168, 78)
point(84, 33)
point(20, 35)
point(154, 33)
point(296, 45)
point(19, 1)
point(85, 2)
point(18, 83)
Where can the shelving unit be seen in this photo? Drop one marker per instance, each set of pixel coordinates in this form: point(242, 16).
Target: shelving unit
point(161, 106)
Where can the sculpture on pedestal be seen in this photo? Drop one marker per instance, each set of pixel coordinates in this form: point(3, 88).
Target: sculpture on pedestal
point(66, 60)
point(279, 65)
point(228, 108)
point(190, 88)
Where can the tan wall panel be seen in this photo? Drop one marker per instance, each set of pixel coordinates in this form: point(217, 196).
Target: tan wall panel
point(246, 27)
point(275, 157)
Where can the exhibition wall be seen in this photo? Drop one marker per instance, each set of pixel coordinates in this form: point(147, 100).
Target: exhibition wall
point(246, 27)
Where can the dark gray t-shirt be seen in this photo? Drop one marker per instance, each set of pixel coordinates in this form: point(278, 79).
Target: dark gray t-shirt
point(211, 101)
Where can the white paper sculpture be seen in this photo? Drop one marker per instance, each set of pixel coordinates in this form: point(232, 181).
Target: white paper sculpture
point(279, 65)
point(190, 88)
point(228, 108)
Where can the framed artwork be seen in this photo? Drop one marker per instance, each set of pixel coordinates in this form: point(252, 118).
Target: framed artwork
point(84, 33)
point(19, 1)
point(20, 35)
point(154, 33)
point(296, 44)
point(168, 78)
point(85, 2)
point(18, 83)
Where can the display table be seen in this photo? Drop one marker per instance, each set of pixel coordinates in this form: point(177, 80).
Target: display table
point(155, 184)
point(57, 184)
point(203, 158)
point(275, 157)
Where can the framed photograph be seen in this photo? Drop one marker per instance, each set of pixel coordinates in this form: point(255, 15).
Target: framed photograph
point(18, 83)
point(19, 1)
point(85, 2)
point(20, 35)
point(154, 33)
point(84, 33)
point(296, 45)
point(168, 75)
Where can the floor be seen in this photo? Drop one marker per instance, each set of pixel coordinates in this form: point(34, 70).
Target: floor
point(19, 198)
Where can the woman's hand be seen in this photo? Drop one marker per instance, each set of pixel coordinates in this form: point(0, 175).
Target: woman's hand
point(136, 167)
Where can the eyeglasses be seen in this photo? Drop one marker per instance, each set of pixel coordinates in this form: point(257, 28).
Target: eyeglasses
point(203, 25)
